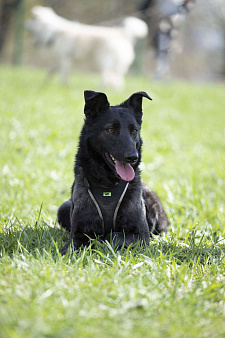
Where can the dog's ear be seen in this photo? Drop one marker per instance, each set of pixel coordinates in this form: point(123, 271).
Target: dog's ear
point(135, 102)
point(95, 103)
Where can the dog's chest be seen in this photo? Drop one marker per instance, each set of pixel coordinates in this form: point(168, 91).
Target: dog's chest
point(107, 200)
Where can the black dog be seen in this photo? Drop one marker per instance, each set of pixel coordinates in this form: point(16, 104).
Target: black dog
point(108, 199)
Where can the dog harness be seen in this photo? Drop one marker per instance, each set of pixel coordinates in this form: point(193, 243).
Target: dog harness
point(107, 201)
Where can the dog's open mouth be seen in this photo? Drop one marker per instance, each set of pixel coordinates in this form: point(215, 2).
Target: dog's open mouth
point(124, 170)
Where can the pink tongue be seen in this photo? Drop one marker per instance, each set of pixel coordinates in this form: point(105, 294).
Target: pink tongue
point(125, 171)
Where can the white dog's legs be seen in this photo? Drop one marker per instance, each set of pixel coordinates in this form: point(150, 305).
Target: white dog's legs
point(54, 68)
point(65, 69)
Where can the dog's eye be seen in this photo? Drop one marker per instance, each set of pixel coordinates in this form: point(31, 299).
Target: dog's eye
point(134, 131)
point(111, 130)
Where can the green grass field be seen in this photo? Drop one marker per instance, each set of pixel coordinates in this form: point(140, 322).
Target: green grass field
point(175, 287)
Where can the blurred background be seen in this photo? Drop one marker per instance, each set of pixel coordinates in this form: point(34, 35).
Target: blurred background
point(190, 34)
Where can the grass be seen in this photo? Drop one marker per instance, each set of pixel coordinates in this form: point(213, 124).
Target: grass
point(175, 287)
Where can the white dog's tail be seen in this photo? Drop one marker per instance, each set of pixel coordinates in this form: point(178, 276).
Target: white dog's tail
point(135, 28)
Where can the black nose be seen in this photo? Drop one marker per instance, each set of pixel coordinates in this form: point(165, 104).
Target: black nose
point(131, 158)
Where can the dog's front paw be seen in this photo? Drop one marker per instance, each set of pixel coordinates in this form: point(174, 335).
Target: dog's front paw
point(120, 239)
point(75, 245)
point(63, 251)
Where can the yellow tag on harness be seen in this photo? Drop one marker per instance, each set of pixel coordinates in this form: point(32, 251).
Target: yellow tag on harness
point(107, 194)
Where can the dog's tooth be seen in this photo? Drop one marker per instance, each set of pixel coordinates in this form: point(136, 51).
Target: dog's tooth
point(112, 158)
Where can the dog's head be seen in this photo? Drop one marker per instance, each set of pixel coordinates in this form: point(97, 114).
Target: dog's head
point(114, 131)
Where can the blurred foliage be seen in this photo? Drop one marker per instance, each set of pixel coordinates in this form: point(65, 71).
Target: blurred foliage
point(199, 52)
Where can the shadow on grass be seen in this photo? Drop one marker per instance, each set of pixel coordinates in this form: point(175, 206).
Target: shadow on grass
point(202, 247)
point(40, 237)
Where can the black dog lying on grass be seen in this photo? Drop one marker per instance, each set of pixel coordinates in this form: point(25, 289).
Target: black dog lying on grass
point(108, 199)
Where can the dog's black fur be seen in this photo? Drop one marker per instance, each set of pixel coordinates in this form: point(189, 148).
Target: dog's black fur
point(110, 135)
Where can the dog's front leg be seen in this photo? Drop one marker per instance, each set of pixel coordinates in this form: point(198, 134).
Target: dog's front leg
point(122, 239)
point(52, 70)
point(77, 239)
point(119, 239)
point(74, 243)
point(65, 69)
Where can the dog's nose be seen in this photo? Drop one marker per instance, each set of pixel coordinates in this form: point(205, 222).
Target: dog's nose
point(131, 158)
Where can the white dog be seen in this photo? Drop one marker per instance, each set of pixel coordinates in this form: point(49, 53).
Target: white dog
point(109, 49)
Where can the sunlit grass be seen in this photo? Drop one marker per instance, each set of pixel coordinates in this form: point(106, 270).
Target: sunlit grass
point(172, 288)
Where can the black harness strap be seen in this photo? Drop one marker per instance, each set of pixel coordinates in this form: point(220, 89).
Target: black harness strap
point(107, 201)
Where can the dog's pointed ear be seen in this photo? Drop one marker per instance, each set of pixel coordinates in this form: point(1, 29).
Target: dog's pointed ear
point(135, 101)
point(95, 103)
